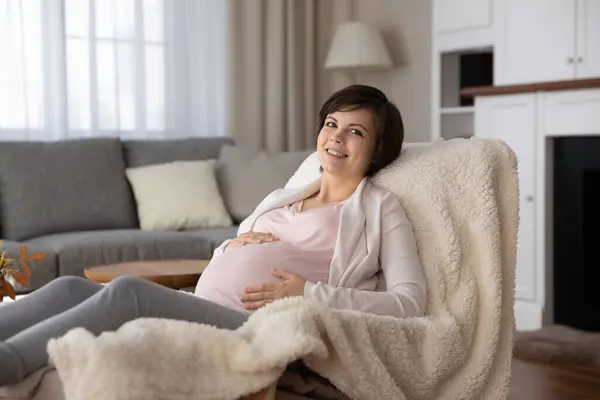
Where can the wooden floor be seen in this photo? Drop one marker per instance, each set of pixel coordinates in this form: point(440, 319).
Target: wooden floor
point(547, 382)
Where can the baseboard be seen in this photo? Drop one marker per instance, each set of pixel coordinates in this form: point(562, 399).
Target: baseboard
point(528, 315)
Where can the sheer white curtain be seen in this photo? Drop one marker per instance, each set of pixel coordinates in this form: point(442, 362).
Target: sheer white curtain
point(127, 68)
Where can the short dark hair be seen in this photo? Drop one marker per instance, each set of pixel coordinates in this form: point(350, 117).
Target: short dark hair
point(388, 121)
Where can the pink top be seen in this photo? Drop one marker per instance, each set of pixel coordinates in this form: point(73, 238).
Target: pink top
point(306, 245)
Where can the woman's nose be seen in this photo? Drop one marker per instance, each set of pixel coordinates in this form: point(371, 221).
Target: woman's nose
point(337, 136)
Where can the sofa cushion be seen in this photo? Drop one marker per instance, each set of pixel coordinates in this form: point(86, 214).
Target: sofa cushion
point(188, 196)
point(51, 187)
point(79, 250)
point(247, 176)
point(148, 152)
point(217, 235)
point(42, 271)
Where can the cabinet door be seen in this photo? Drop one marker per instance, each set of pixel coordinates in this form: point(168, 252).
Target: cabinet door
point(513, 120)
point(588, 38)
point(456, 15)
point(536, 41)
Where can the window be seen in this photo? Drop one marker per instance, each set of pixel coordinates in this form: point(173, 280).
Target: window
point(21, 77)
point(138, 68)
point(115, 61)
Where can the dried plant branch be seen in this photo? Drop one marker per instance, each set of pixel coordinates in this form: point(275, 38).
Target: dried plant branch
point(7, 270)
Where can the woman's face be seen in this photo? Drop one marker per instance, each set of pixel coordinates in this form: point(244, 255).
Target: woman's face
point(346, 143)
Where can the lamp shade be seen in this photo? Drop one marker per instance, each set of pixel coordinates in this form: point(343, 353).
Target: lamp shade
point(357, 45)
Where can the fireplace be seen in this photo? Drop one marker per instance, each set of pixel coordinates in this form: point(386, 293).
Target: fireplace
point(577, 232)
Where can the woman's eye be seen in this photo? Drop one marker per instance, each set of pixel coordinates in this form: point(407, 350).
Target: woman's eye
point(356, 132)
point(330, 124)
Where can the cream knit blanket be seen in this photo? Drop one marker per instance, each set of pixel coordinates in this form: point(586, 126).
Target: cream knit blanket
point(461, 197)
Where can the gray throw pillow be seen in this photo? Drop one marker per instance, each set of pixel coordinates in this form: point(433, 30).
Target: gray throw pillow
point(246, 176)
point(70, 185)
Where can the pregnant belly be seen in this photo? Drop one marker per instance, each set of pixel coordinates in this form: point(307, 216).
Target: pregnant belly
point(226, 277)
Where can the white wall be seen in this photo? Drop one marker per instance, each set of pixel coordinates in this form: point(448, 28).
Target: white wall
point(406, 26)
point(330, 14)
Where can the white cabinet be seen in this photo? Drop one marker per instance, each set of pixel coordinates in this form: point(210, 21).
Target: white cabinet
point(536, 41)
point(571, 113)
point(588, 39)
point(513, 119)
point(459, 15)
point(547, 40)
point(460, 24)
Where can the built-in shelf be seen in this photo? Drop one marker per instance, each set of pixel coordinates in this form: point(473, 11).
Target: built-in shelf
point(460, 70)
point(457, 110)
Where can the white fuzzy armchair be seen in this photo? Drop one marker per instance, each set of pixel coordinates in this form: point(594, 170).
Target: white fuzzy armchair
point(462, 199)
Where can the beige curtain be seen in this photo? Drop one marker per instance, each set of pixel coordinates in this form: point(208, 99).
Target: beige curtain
point(273, 62)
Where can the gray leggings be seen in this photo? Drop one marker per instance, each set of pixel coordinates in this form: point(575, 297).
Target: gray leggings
point(27, 324)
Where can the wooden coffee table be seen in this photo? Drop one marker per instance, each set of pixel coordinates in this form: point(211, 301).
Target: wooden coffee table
point(175, 274)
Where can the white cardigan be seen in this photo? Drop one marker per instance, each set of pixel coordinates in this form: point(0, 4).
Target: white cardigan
point(375, 240)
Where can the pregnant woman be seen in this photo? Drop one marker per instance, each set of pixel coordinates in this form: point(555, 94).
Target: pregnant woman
point(332, 241)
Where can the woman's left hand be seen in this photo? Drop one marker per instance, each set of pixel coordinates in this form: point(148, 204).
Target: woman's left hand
point(255, 297)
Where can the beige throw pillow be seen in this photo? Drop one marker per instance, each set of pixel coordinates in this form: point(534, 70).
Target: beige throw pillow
point(178, 195)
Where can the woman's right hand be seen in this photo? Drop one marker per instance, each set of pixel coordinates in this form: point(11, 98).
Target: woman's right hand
point(252, 238)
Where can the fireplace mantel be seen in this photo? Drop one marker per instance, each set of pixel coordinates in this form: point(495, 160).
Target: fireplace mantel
point(529, 122)
point(571, 84)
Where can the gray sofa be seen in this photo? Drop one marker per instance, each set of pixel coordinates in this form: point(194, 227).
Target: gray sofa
point(72, 200)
